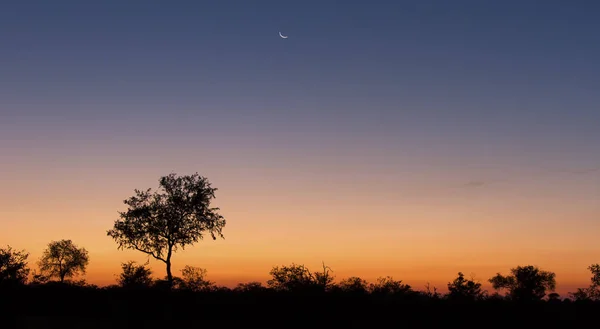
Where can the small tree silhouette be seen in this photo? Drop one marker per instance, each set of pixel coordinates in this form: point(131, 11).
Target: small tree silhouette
point(251, 287)
point(553, 297)
point(527, 283)
point(463, 289)
point(299, 278)
point(13, 266)
point(194, 279)
point(593, 291)
point(63, 259)
point(388, 286)
point(158, 223)
point(431, 294)
point(38, 278)
point(354, 285)
point(134, 275)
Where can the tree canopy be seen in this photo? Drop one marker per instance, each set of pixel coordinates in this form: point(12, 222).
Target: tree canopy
point(63, 259)
point(464, 289)
point(134, 275)
point(13, 266)
point(160, 222)
point(298, 278)
point(525, 283)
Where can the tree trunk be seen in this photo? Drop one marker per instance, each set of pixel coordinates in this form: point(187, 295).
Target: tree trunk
point(169, 274)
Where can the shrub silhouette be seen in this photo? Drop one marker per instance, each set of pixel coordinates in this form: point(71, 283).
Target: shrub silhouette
point(593, 291)
point(463, 289)
point(13, 266)
point(388, 286)
point(526, 283)
point(135, 276)
point(553, 297)
point(353, 285)
point(38, 278)
point(63, 259)
point(431, 294)
point(159, 223)
point(250, 287)
point(296, 278)
point(251, 305)
point(194, 279)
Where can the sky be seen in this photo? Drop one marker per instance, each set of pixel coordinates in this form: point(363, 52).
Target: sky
point(413, 139)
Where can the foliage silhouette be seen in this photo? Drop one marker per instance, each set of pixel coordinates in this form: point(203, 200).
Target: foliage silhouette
point(13, 266)
point(250, 287)
point(553, 297)
point(431, 294)
point(63, 259)
point(388, 286)
point(526, 283)
point(194, 279)
point(135, 276)
point(159, 223)
point(354, 285)
point(296, 278)
point(38, 278)
point(593, 291)
point(251, 305)
point(465, 290)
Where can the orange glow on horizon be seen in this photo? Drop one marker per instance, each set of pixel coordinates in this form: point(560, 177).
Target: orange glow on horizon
point(427, 235)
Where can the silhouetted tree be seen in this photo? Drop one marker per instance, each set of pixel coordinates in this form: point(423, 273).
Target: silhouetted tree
point(13, 266)
point(593, 291)
point(354, 284)
point(324, 279)
point(253, 286)
point(298, 278)
point(526, 283)
point(158, 223)
point(134, 275)
point(38, 278)
point(429, 293)
point(63, 259)
point(595, 269)
point(194, 279)
point(388, 286)
point(553, 297)
point(463, 289)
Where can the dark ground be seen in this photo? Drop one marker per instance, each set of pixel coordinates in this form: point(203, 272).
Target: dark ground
point(75, 307)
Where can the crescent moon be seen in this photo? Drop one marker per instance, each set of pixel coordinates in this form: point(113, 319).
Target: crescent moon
point(282, 36)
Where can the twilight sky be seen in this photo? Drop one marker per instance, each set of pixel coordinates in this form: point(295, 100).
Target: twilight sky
point(407, 138)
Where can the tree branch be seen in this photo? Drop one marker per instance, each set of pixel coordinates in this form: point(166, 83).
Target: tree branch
point(151, 253)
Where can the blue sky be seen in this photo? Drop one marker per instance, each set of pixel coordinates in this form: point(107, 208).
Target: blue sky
point(497, 72)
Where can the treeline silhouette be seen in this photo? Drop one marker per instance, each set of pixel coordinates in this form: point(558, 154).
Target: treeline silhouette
point(159, 223)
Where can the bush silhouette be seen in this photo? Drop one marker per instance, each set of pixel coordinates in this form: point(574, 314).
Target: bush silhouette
point(296, 278)
point(250, 287)
point(296, 295)
point(63, 259)
point(353, 285)
point(135, 276)
point(194, 279)
point(13, 266)
point(464, 290)
point(526, 283)
point(388, 286)
point(593, 291)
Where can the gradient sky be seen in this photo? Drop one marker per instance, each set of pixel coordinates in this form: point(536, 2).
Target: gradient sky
point(407, 138)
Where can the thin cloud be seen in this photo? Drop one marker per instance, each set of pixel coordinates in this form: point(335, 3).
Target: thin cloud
point(475, 184)
point(579, 171)
point(480, 183)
